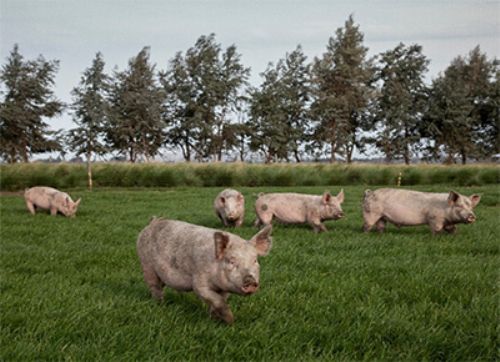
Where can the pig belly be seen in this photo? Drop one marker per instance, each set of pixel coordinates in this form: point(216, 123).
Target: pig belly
point(403, 216)
point(289, 217)
point(43, 204)
point(175, 278)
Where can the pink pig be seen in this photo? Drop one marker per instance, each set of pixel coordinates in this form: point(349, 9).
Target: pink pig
point(51, 199)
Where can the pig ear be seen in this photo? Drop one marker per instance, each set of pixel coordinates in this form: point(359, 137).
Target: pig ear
point(327, 196)
point(340, 196)
point(223, 199)
point(262, 241)
point(453, 197)
point(78, 202)
point(241, 198)
point(67, 201)
point(221, 240)
point(475, 200)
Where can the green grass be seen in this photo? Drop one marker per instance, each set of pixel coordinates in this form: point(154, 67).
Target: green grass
point(72, 289)
point(19, 176)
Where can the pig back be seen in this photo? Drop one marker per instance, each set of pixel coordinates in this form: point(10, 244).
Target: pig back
point(176, 246)
point(44, 197)
point(288, 207)
point(407, 207)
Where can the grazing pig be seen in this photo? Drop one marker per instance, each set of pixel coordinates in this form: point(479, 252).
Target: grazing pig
point(229, 206)
point(210, 262)
point(292, 208)
point(51, 199)
point(441, 211)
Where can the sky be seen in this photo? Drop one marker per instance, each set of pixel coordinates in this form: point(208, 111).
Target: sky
point(73, 31)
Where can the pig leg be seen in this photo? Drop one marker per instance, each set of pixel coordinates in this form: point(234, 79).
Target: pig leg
point(53, 211)
point(216, 302)
point(263, 219)
point(370, 219)
point(317, 226)
point(31, 207)
point(213, 313)
point(153, 282)
point(450, 229)
point(436, 226)
point(239, 222)
point(380, 225)
point(224, 220)
point(220, 216)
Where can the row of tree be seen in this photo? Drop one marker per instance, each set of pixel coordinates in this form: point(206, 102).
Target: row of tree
point(203, 105)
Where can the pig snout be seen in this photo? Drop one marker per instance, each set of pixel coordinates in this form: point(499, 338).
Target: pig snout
point(232, 216)
point(250, 285)
point(471, 218)
point(340, 215)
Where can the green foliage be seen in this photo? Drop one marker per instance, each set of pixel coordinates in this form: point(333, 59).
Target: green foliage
point(90, 108)
point(27, 100)
point(462, 118)
point(135, 126)
point(72, 289)
point(204, 88)
point(401, 102)
point(18, 177)
point(279, 119)
point(342, 91)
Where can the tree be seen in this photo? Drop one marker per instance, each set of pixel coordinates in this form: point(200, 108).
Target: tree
point(279, 110)
point(342, 88)
point(401, 101)
point(27, 100)
point(204, 89)
point(462, 116)
point(233, 77)
point(135, 120)
point(484, 78)
point(90, 108)
point(267, 122)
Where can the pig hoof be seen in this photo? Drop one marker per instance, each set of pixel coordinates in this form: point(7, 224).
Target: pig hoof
point(222, 316)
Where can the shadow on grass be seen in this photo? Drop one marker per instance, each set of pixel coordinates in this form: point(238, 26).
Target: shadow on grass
point(134, 289)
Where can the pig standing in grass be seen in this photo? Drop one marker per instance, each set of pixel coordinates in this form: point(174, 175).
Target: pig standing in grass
point(51, 199)
point(229, 206)
point(441, 211)
point(209, 262)
point(292, 208)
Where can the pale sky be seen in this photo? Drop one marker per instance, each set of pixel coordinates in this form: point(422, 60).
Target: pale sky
point(73, 31)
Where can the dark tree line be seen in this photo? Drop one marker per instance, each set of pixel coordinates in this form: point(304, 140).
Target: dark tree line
point(203, 106)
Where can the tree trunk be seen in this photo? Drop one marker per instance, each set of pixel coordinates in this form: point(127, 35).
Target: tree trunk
point(25, 154)
point(332, 153)
point(296, 155)
point(132, 154)
point(349, 152)
point(333, 143)
point(449, 159)
point(187, 155)
point(464, 157)
point(89, 170)
point(407, 155)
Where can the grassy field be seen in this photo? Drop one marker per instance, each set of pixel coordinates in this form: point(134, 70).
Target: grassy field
point(72, 289)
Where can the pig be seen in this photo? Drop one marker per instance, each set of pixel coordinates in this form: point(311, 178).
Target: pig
point(441, 211)
point(229, 206)
point(209, 262)
point(293, 208)
point(51, 199)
